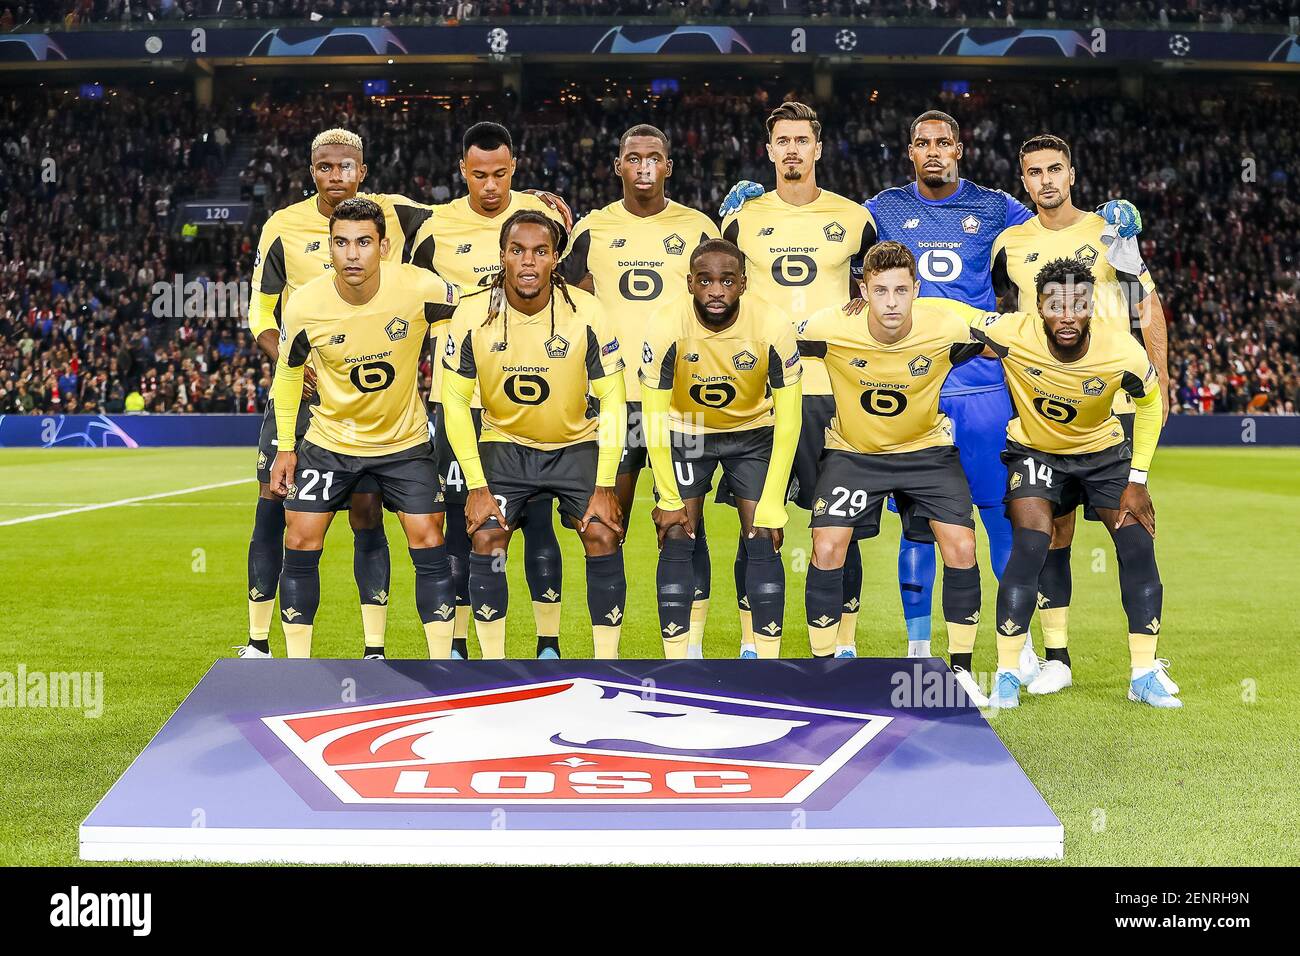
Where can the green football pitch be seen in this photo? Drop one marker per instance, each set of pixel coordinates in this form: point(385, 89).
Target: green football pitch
point(149, 590)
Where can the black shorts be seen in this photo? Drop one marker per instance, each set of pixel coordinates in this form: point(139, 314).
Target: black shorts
point(453, 479)
point(634, 453)
point(1096, 479)
point(743, 455)
point(1126, 420)
point(517, 475)
point(927, 485)
point(407, 480)
point(267, 446)
point(818, 410)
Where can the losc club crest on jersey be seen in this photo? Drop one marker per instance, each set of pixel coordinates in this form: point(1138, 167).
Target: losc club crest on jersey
point(575, 741)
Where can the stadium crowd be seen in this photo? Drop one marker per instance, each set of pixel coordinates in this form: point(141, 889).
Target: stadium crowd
point(85, 325)
point(1205, 13)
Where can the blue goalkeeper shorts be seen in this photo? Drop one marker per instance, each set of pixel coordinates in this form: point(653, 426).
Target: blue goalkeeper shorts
point(979, 422)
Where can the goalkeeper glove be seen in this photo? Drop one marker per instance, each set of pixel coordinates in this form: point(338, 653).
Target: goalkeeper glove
point(1125, 215)
point(740, 194)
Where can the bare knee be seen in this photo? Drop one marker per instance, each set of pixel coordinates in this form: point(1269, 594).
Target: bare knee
point(599, 540)
point(490, 541)
point(958, 550)
point(829, 553)
point(366, 511)
point(1063, 531)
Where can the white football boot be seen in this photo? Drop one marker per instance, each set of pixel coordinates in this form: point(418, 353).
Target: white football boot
point(968, 684)
point(1052, 676)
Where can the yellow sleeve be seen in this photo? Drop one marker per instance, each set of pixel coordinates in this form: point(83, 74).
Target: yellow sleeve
point(968, 314)
point(457, 390)
point(655, 405)
point(286, 386)
point(1146, 429)
point(787, 404)
point(611, 426)
point(269, 280)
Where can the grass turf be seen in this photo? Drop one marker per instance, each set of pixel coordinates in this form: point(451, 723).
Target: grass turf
point(149, 593)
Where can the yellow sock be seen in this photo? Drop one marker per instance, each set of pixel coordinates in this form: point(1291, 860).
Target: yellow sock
point(438, 634)
point(746, 625)
point(769, 648)
point(491, 639)
point(461, 630)
point(297, 640)
point(674, 648)
point(1056, 622)
point(259, 619)
point(699, 613)
point(961, 639)
point(847, 635)
point(547, 616)
point(605, 639)
point(374, 622)
point(1142, 651)
point(822, 640)
point(1009, 649)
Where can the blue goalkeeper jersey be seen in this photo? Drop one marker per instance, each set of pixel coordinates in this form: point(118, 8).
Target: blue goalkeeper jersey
point(952, 240)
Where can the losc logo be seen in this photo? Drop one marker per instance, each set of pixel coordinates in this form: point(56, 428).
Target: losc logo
point(575, 741)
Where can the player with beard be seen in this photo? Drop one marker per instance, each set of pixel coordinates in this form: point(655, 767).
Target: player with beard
point(634, 255)
point(460, 242)
point(799, 242)
point(1065, 447)
point(293, 249)
point(536, 349)
point(1125, 299)
point(364, 325)
point(720, 386)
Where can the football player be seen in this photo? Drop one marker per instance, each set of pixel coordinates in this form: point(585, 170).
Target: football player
point(633, 254)
point(1124, 300)
point(293, 249)
point(720, 386)
point(364, 326)
point(535, 349)
point(461, 242)
point(798, 242)
point(889, 437)
point(1067, 447)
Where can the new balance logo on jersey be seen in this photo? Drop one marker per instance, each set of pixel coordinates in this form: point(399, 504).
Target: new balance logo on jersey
point(858, 362)
point(618, 244)
point(312, 246)
point(463, 248)
point(970, 225)
point(911, 224)
point(498, 347)
point(1032, 257)
point(1033, 371)
point(338, 339)
point(674, 245)
point(765, 231)
point(691, 357)
point(834, 232)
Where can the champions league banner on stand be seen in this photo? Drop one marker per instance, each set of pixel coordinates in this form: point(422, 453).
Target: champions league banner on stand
point(213, 40)
point(127, 431)
point(333, 761)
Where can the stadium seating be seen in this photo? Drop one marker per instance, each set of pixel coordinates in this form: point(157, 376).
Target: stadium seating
point(1209, 13)
point(80, 330)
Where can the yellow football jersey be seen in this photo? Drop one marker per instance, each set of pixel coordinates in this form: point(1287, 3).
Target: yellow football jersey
point(294, 248)
point(464, 247)
point(1065, 409)
point(367, 357)
point(721, 381)
point(637, 264)
point(1020, 251)
point(887, 395)
point(533, 371)
point(797, 257)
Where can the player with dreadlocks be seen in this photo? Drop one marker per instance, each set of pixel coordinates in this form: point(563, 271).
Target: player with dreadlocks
point(536, 348)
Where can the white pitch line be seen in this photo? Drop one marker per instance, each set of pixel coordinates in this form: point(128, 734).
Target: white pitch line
point(125, 501)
